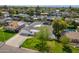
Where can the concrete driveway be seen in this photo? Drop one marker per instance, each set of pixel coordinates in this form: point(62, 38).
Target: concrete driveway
point(16, 40)
point(13, 44)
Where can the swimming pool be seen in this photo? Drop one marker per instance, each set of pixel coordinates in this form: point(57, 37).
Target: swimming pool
point(70, 30)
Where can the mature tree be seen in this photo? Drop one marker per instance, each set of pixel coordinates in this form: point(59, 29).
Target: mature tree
point(37, 10)
point(30, 11)
point(63, 18)
point(59, 26)
point(43, 35)
point(12, 11)
point(1, 13)
point(72, 24)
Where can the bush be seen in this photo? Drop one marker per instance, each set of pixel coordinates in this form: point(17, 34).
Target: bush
point(67, 49)
point(64, 39)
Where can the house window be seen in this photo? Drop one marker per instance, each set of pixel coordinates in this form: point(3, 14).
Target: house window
point(75, 41)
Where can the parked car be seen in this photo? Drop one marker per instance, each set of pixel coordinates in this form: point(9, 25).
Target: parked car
point(26, 33)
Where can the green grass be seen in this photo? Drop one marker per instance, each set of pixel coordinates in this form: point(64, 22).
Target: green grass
point(30, 43)
point(5, 35)
point(75, 50)
point(54, 46)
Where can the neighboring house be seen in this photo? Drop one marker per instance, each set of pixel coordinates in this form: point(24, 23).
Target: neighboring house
point(5, 14)
point(30, 32)
point(49, 18)
point(14, 26)
point(15, 17)
point(56, 13)
point(18, 17)
point(44, 14)
point(77, 21)
point(65, 13)
point(38, 17)
point(5, 20)
point(2, 21)
point(73, 36)
point(24, 15)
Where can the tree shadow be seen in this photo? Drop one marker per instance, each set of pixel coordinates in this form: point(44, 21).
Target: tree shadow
point(67, 49)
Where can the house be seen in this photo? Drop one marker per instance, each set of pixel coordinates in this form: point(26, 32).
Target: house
point(28, 32)
point(56, 13)
point(65, 14)
point(73, 37)
point(77, 21)
point(49, 18)
point(17, 16)
point(14, 26)
point(4, 20)
point(35, 17)
point(44, 14)
point(5, 14)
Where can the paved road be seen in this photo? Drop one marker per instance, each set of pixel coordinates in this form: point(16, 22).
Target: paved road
point(10, 49)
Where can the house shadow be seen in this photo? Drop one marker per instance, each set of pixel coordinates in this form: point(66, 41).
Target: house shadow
point(9, 31)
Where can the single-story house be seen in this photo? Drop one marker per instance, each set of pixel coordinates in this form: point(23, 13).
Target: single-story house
point(44, 14)
point(73, 36)
point(5, 14)
point(30, 32)
point(4, 20)
point(14, 26)
point(49, 18)
point(77, 21)
point(39, 25)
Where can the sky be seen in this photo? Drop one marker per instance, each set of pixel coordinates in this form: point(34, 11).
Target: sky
point(39, 2)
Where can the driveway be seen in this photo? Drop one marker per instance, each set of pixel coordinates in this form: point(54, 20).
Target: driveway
point(13, 44)
point(16, 40)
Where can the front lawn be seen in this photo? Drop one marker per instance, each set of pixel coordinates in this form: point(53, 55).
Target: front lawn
point(53, 46)
point(31, 43)
point(5, 35)
point(75, 50)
